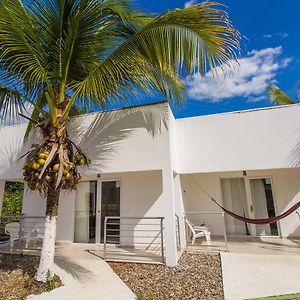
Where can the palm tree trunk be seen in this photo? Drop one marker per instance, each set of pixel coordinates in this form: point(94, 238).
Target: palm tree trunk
point(45, 269)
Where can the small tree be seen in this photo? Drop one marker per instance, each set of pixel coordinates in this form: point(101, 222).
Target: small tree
point(55, 54)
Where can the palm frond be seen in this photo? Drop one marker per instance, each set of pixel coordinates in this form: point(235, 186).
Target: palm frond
point(194, 38)
point(11, 105)
point(152, 117)
point(21, 52)
point(278, 96)
point(37, 111)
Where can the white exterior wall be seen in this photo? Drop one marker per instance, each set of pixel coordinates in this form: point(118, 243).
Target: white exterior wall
point(35, 205)
point(247, 140)
point(151, 162)
point(121, 141)
point(286, 192)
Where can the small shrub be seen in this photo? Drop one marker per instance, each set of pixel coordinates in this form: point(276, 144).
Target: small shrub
point(50, 285)
point(27, 283)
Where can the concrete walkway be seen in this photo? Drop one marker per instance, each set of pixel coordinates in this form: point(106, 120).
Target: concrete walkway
point(248, 276)
point(85, 277)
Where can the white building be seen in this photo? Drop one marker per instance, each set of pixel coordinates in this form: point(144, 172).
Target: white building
point(146, 163)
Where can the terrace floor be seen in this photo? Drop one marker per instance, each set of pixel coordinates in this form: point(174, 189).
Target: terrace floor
point(96, 251)
point(250, 245)
point(246, 245)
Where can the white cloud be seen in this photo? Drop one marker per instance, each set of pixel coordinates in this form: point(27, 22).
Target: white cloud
point(282, 35)
point(189, 3)
point(257, 98)
point(249, 79)
point(267, 36)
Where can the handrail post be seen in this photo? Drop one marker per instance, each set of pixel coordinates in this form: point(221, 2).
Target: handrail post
point(20, 231)
point(178, 233)
point(162, 240)
point(104, 238)
point(225, 234)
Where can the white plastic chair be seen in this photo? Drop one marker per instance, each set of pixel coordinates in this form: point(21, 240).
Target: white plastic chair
point(12, 229)
point(33, 233)
point(198, 232)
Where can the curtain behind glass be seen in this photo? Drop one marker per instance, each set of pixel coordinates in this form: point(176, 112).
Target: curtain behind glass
point(85, 212)
point(260, 205)
point(235, 200)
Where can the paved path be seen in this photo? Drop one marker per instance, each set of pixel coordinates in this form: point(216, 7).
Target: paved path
point(248, 276)
point(86, 278)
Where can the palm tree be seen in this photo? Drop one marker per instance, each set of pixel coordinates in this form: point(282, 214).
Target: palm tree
point(57, 54)
point(278, 96)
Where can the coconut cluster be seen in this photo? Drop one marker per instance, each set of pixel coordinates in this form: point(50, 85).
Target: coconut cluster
point(68, 179)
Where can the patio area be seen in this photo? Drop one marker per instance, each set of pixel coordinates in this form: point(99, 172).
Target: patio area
point(248, 245)
point(238, 245)
point(113, 252)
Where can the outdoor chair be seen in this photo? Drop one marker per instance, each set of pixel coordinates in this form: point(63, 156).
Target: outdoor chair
point(12, 229)
point(198, 231)
point(34, 232)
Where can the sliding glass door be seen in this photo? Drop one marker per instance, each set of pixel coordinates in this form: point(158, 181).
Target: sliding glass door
point(94, 201)
point(110, 206)
point(235, 199)
point(263, 205)
point(249, 197)
point(86, 212)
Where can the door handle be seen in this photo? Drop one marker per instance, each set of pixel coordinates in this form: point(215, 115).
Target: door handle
point(251, 208)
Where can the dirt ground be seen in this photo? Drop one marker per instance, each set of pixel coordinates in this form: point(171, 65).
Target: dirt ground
point(16, 277)
point(198, 276)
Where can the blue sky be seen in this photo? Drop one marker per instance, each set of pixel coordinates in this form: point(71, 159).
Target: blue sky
point(269, 53)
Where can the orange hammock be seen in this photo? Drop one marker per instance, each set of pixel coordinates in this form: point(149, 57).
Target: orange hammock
point(259, 221)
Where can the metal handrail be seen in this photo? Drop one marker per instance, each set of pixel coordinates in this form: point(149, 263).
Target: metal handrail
point(21, 219)
point(156, 233)
point(178, 233)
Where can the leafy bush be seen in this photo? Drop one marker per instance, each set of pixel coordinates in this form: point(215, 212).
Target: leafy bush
point(13, 197)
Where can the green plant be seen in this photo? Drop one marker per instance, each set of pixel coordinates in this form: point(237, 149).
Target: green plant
point(13, 197)
point(50, 284)
point(27, 282)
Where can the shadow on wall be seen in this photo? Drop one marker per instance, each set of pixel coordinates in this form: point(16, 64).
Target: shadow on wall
point(98, 139)
point(296, 232)
point(294, 161)
point(13, 147)
point(294, 158)
point(102, 137)
point(291, 223)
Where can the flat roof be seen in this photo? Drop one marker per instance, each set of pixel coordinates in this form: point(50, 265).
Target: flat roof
point(183, 118)
point(244, 111)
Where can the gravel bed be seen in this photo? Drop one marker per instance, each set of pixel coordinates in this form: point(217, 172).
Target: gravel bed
point(16, 277)
point(198, 276)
